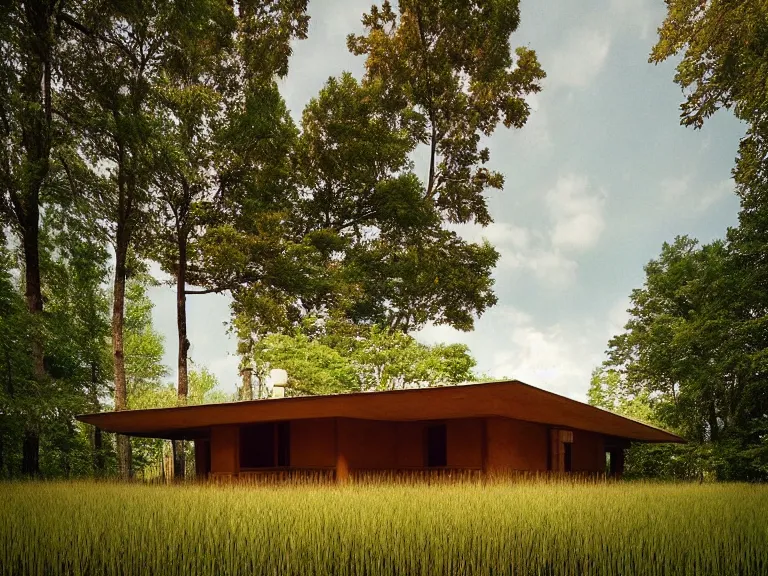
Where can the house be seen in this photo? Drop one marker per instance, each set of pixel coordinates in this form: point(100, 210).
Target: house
point(489, 428)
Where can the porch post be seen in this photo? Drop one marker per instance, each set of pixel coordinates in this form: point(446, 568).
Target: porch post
point(342, 466)
point(202, 458)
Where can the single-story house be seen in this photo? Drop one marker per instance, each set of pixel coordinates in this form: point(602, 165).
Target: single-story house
point(488, 428)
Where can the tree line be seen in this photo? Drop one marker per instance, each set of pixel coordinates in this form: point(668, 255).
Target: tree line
point(154, 131)
point(693, 355)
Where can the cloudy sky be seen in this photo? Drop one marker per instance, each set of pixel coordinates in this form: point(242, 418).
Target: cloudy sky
point(597, 180)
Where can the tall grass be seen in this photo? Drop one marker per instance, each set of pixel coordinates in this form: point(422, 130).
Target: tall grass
point(536, 528)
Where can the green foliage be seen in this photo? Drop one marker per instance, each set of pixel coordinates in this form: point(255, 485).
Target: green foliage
point(687, 361)
point(338, 356)
point(367, 236)
point(144, 349)
point(15, 367)
point(600, 529)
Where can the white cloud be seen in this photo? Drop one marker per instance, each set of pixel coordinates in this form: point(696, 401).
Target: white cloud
point(682, 193)
point(559, 357)
point(577, 213)
point(578, 61)
point(643, 15)
point(536, 133)
point(576, 216)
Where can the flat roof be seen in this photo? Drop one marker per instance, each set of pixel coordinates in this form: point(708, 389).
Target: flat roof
point(509, 399)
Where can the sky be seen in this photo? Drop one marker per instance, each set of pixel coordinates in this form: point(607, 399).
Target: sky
point(601, 175)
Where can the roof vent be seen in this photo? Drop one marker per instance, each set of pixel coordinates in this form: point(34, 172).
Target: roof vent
point(279, 379)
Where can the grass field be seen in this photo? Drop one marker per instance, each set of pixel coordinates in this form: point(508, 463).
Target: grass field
point(467, 528)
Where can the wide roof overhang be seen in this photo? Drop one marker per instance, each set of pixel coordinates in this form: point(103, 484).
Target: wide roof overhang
point(509, 399)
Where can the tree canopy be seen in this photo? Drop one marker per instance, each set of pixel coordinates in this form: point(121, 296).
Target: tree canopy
point(153, 131)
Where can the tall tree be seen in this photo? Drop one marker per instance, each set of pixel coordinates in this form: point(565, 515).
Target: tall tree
point(201, 94)
point(451, 61)
point(687, 353)
point(29, 40)
point(122, 55)
point(190, 92)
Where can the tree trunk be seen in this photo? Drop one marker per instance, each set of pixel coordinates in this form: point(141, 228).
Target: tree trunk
point(247, 374)
point(181, 319)
point(179, 463)
point(179, 459)
point(98, 451)
point(118, 313)
point(97, 445)
point(34, 299)
point(36, 144)
point(30, 465)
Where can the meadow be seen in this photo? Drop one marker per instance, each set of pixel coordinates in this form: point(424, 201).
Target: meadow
point(465, 528)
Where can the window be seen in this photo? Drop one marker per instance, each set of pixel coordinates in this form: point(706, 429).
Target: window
point(567, 456)
point(265, 445)
point(437, 446)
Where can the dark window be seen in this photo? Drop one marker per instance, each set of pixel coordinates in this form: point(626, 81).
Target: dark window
point(437, 446)
point(609, 464)
point(257, 445)
point(567, 466)
point(265, 445)
point(283, 443)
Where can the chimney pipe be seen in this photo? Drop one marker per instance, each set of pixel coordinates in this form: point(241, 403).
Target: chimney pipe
point(279, 378)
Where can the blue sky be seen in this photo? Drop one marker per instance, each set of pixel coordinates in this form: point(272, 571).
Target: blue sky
point(597, 180)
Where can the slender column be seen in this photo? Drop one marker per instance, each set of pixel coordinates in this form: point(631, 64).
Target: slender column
point(342, 466)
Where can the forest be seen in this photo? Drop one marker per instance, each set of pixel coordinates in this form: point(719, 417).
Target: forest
point(153, 132)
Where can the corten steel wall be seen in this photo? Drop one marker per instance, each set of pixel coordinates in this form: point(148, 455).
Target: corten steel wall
point(367, 444)
point(496, 444)
point(588, 452)
point(514, 445)
point(381, 445)
point(313, 443)
point(465, 443)
point(202, 458)
point(225, 449)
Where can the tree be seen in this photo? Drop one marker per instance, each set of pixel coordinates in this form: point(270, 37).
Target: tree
point(16, 365)
point(451, 62)
point(30, 35)
point(75, 262)
point(200, 96)
point(723, 47)
point(685, 354)
point(368, 237)
point(122, 57)
point(339, 356)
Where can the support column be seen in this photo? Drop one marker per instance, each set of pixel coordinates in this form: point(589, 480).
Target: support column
point(225, 451)
point(484, 447)
point(557, 441)
point(202, 458)
point(342, 465)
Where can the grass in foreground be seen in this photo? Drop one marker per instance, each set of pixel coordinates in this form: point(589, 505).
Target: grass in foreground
point(526, 528)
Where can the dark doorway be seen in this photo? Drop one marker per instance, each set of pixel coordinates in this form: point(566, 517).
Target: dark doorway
point(437, 446)
point(283, 443)
point(567, 456)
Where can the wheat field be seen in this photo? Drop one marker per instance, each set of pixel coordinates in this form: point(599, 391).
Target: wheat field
point(466, 528)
